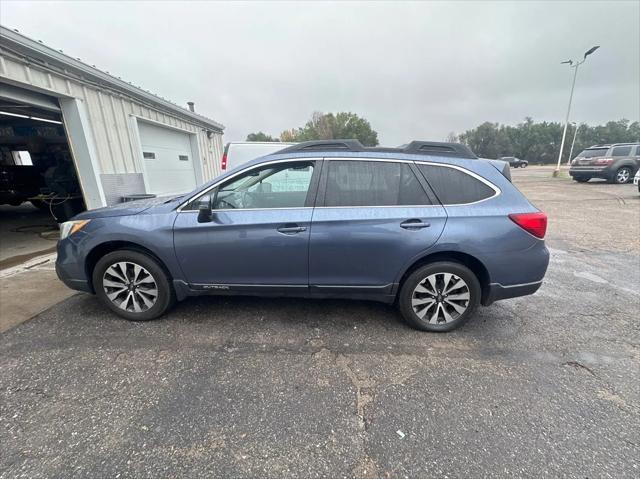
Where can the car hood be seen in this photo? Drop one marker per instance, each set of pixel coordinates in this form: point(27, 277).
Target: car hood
point(159, 204)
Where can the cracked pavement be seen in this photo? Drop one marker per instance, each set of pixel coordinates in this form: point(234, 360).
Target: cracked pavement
point(540, 386)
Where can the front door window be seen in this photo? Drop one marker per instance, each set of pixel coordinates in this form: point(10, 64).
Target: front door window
point(275, 186)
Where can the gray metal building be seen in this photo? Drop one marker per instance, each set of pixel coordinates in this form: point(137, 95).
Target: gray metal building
point(122, 139)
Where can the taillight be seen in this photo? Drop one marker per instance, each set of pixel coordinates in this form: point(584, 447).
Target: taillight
point(604, 161)
point(224, 161)
point(533, 223)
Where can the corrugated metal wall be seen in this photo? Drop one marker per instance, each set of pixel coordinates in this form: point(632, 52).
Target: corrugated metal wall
point(109, 118)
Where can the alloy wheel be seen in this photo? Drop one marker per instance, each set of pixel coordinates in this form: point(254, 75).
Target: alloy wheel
point(623, 175)
point(130, 286)
point(440, 298)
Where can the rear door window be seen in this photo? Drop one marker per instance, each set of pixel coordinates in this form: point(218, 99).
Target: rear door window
point(372, 183)
point(453, 186)
point(621, 151)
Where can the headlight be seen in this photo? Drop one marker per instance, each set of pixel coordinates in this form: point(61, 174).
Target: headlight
point(69, 227)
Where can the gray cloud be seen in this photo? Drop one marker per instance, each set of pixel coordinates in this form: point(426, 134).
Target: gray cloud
point(415, 70)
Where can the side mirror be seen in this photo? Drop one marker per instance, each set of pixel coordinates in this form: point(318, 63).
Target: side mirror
point(205, 213)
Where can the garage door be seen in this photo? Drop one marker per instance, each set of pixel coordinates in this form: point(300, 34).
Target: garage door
point(167, 159)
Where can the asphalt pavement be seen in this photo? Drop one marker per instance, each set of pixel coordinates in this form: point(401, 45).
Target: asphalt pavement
point(540, 386)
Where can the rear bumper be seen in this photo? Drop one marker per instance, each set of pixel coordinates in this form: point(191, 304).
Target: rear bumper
point(591, 171)
point(497, 291)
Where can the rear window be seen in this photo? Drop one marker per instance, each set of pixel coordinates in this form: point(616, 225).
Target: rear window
point(593, 152)
point(621, 151)
point(455, 187)
point(372, 183)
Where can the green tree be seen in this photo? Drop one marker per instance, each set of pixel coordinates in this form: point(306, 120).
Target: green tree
point(540, 142)
point(259, 136)
point(330, 126)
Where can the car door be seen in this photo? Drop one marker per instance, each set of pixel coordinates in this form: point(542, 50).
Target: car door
point(373, 217)
point(258, 236)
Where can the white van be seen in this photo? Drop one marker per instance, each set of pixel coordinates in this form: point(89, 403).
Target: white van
point(238, 152)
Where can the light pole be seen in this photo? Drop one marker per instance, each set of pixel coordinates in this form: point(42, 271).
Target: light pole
point(575, 65)
point(575, 133)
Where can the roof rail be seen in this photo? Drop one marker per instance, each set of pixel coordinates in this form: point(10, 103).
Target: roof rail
point(325, 145)
point(430, 148)
point(437, 148)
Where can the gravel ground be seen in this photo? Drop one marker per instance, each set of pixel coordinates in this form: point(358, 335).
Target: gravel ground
point(542, 386)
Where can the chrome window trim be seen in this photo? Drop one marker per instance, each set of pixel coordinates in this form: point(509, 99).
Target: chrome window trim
point(272, 162)
point(496, 189)
point(255, 209)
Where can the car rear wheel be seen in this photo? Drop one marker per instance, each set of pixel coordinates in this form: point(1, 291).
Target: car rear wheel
point(133, 285)
point(623, 175)
point(439, 297)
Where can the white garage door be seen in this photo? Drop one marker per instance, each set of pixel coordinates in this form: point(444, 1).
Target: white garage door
point(167, 159)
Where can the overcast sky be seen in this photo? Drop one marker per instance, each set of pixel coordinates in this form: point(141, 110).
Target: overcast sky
point(414, 70)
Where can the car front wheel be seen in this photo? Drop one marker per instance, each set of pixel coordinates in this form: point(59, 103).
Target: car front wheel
point(133, 285)
point(439, 297)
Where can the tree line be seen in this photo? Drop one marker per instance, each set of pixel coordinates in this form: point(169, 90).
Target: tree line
point(540, 142)
point(535, 142)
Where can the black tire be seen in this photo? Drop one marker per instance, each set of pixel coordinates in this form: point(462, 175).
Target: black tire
point(623, 175)
point(419, 277)
point(165, 294)
point(524, 165)
point(581, 179)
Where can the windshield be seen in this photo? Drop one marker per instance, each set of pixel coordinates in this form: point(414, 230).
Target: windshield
point(592, 152)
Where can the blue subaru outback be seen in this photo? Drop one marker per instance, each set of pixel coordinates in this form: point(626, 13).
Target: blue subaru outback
point(427, 226)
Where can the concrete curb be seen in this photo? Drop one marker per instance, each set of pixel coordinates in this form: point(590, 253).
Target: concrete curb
point(37, 261)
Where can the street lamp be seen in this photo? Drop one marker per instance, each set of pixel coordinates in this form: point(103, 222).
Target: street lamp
point(575, 65)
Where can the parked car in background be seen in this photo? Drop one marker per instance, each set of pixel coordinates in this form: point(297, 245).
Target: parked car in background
point(429, 227)
point(515, 162)
point(616, 163)
point(240, 152)
point(636, 180)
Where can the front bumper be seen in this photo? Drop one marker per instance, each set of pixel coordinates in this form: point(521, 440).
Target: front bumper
point(77, 284)
point(70, 266)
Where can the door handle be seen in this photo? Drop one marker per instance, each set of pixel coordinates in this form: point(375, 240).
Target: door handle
point(414, 224)
point(291, 229)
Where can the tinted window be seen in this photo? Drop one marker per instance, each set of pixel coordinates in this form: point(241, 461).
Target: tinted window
point(621, 151)
point(372, 183)
point(591, 153)
point(455, 187)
